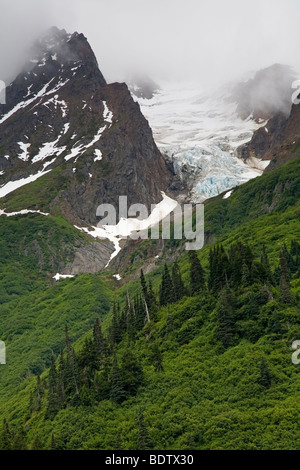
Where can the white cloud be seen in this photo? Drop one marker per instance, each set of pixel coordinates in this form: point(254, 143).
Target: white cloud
point(207, 39)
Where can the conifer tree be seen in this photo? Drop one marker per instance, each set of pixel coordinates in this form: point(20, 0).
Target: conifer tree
point(225, 318)
point(36, 396)
point(144, 442)
point(53, 401)
point(169, 323)
point(131, 372)
point(88, 362)
point(275, 325)
point(115, 333)
point(61, 379)
point(166, 294)
point(265, 262)
point(71, 371)
point(116, 390)
point(246, 277)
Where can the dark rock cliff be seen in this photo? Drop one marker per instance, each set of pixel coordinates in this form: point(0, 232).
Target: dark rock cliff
point(61, 114)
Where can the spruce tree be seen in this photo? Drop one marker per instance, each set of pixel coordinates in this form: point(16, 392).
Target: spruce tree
point(53, 401)
point(71, 370)
point(266, 264)
point(61, 379)
point(115, 333)
point(88, 362)
point(144, 442)
point(225, 318)
point(166, 294)
point(116, 391)
point(169, 323)
point(131, 372)
point(246, 277)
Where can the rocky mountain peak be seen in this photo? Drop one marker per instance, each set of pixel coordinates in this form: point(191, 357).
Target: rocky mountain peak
point(60, 114)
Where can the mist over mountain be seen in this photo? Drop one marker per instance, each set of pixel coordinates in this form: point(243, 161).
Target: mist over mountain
point(117, 336)
point(268, 93)
point(208, 41)
point(60, 112)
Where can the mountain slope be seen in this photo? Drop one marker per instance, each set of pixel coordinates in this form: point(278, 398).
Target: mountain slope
point(60, 113)
point(195, 393)
point(278, 141)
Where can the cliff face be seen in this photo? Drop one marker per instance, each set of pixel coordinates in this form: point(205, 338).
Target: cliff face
point(278, 141)
point(61, 115)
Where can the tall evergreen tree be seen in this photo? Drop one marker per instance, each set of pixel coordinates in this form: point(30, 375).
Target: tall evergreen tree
point(131, 372)
point(246, 276)
point(144, 442)
point(225, 317)
point(71, 370)
point(166, 294)
point(266, 263)
point(88, 362)
point(61, 379)
point(53, 401)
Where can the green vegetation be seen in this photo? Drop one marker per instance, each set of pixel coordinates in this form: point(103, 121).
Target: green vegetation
point(195, 355)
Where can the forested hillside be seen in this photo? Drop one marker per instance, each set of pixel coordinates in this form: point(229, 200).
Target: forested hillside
point(195, 355)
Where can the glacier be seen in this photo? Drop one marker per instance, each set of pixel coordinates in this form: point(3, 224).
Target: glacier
point(200, 131)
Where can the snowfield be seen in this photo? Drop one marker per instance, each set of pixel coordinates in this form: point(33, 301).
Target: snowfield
point(126, 227)
point(201, 132)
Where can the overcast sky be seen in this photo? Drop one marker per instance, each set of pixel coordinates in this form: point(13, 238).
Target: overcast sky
point(170, 39)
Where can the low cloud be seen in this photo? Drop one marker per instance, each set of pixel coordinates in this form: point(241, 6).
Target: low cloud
point(207, 40)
